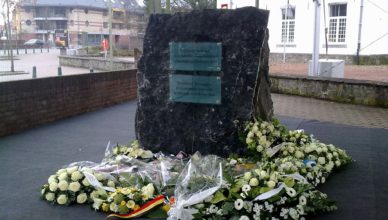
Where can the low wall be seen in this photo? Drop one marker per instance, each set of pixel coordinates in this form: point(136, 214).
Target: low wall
point(97, 63)
point(349, 59)
point(333, 89)
point(28, 103)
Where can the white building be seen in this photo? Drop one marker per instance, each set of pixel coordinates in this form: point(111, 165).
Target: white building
point(291, 31)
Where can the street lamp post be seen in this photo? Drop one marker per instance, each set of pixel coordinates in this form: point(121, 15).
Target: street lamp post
point(110, 34)
point(9, 36)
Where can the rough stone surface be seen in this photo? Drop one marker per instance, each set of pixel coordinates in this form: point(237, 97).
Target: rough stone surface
point(245, 87)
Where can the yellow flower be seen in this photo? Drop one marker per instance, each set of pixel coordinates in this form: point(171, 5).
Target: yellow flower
point(123, 203)
point(105, 207)
point(166, 208)
point(136, 207)
point(131, 204)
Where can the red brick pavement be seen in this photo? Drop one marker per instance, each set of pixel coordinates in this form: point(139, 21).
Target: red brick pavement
point(374, 73)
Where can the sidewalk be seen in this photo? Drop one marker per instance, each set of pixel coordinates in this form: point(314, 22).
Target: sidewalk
point(374, 73)
point(326, 111)
point(28, 158)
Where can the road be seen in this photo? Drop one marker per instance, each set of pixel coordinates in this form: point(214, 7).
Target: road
point(46, 63)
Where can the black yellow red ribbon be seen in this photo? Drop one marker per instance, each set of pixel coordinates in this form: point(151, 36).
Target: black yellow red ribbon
point(145, 208)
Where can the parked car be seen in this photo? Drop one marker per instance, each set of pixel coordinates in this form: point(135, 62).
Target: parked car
point(34, 43)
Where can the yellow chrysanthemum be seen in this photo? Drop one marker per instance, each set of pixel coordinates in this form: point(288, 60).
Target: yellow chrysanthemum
point(105, 207)
point(166, 208)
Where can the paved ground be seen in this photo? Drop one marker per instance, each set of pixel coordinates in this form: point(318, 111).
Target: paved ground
point(374, 73)
point(347, 114)
point(28, 158)
point(46, 63)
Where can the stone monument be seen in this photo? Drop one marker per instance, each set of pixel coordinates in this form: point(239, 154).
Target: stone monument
point(199, 73)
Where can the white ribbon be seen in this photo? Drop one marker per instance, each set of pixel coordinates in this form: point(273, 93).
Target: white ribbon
point(281, 186)
point(270, 193)
point(297, 176)
point(94, 182)
point(274, 150)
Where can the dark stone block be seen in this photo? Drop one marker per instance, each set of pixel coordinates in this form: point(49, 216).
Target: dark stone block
point(245, 87)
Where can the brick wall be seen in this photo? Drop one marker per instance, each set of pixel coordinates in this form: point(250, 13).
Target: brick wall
point(28, 103)
point(349, 59)
point(352, 91)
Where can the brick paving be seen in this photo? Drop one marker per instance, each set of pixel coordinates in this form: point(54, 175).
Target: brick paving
point(374, 73)
point(326, 111)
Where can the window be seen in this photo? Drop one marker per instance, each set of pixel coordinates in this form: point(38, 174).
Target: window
point(288, 25)
point(59, 12)
point(86, 23)
point(105, 24)
point(105, 13)
point(337, 23)
point(62, 25)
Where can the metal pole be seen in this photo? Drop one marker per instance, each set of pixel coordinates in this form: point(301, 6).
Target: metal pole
point(359, 32)
point(59, 71)
point(286, 31)
point(257, 3)
point(10, 38)
point(34, 72)
point(315, 57)
point(110, 34)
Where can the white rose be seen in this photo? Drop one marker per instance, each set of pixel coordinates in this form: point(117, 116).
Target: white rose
point(299, 154)
point(250, 135)
point(291, 149)
point(233, 162)
point(255, 128)
point(264, 174)
point(63, 176)
point(111, 183)
point(329, 156)
point(62, 199)
point(74, 186)
point(335, 154)
point(61, 171)
point(53, 179)
point(319, 150)
point(263, 140)
point(71, 170)
point(271, 184)
point(113, 207)
point(254, 182)
point(338, 163)
point(50, 197)
point(94, 195)
point(259, 148)
point(85, 182)
point(247, 176)
point(321, 160)
point(76, 176)
point(148, 191)
point(258, 134)
point(147, 154)
point(248, 140)
point(62, 185)
point(324, 149)
point(53, 186)
point(308, 149)
point(81, 198)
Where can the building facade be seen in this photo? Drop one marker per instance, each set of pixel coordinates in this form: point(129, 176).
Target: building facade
point(291, 25)
point(83, 22)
